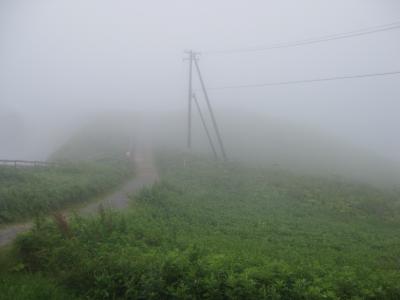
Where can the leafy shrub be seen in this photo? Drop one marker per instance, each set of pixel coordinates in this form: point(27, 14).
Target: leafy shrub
point(31, 287)
point(227, 232)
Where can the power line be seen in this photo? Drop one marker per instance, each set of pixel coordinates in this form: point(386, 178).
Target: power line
point(305, 81)
point(344, 35)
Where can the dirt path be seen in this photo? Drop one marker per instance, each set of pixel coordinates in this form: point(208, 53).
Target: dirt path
point(146, 174)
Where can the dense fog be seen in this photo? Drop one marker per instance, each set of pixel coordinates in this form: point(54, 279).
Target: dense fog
point(65, 63)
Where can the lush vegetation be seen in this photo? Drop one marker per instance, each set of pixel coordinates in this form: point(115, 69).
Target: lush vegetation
point(31, 287)
point(91, 163)
point(26, 286)
point(28, 192)
point(227, 232)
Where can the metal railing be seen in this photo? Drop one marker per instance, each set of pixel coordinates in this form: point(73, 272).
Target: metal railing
point(26, 163)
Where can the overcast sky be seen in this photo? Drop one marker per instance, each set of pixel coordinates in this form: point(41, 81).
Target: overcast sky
point(68, 58)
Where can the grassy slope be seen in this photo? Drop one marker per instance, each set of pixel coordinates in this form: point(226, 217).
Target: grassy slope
point(259, 139)
point(27, 193)
point(26, 286)
point(31, 287)
point(93, 162)
point(229, 232)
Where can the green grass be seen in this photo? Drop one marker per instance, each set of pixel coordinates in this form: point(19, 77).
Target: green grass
point(25, 193)
point(91, 163)
point(15, 284)
point(215, 231)
point(31, 287)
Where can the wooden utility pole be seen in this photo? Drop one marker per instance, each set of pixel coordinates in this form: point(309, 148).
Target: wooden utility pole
point(192, 58)
point(189, 121)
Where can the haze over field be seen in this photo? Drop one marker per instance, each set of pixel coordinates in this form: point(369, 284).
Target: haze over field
point(64, 63)
point(207, 149)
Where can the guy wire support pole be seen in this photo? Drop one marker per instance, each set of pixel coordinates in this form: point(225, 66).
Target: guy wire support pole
point(203, 121)
point(194, 58)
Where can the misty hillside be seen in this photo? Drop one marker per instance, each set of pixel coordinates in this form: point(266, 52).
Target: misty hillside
point(210, 229)
point(304, 149)
point(91, 163)
point(265, 141)
point(103, 137)
point(190, 150)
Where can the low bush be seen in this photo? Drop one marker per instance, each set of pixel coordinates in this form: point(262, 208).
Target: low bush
point(227, 232)
point(31, 287)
